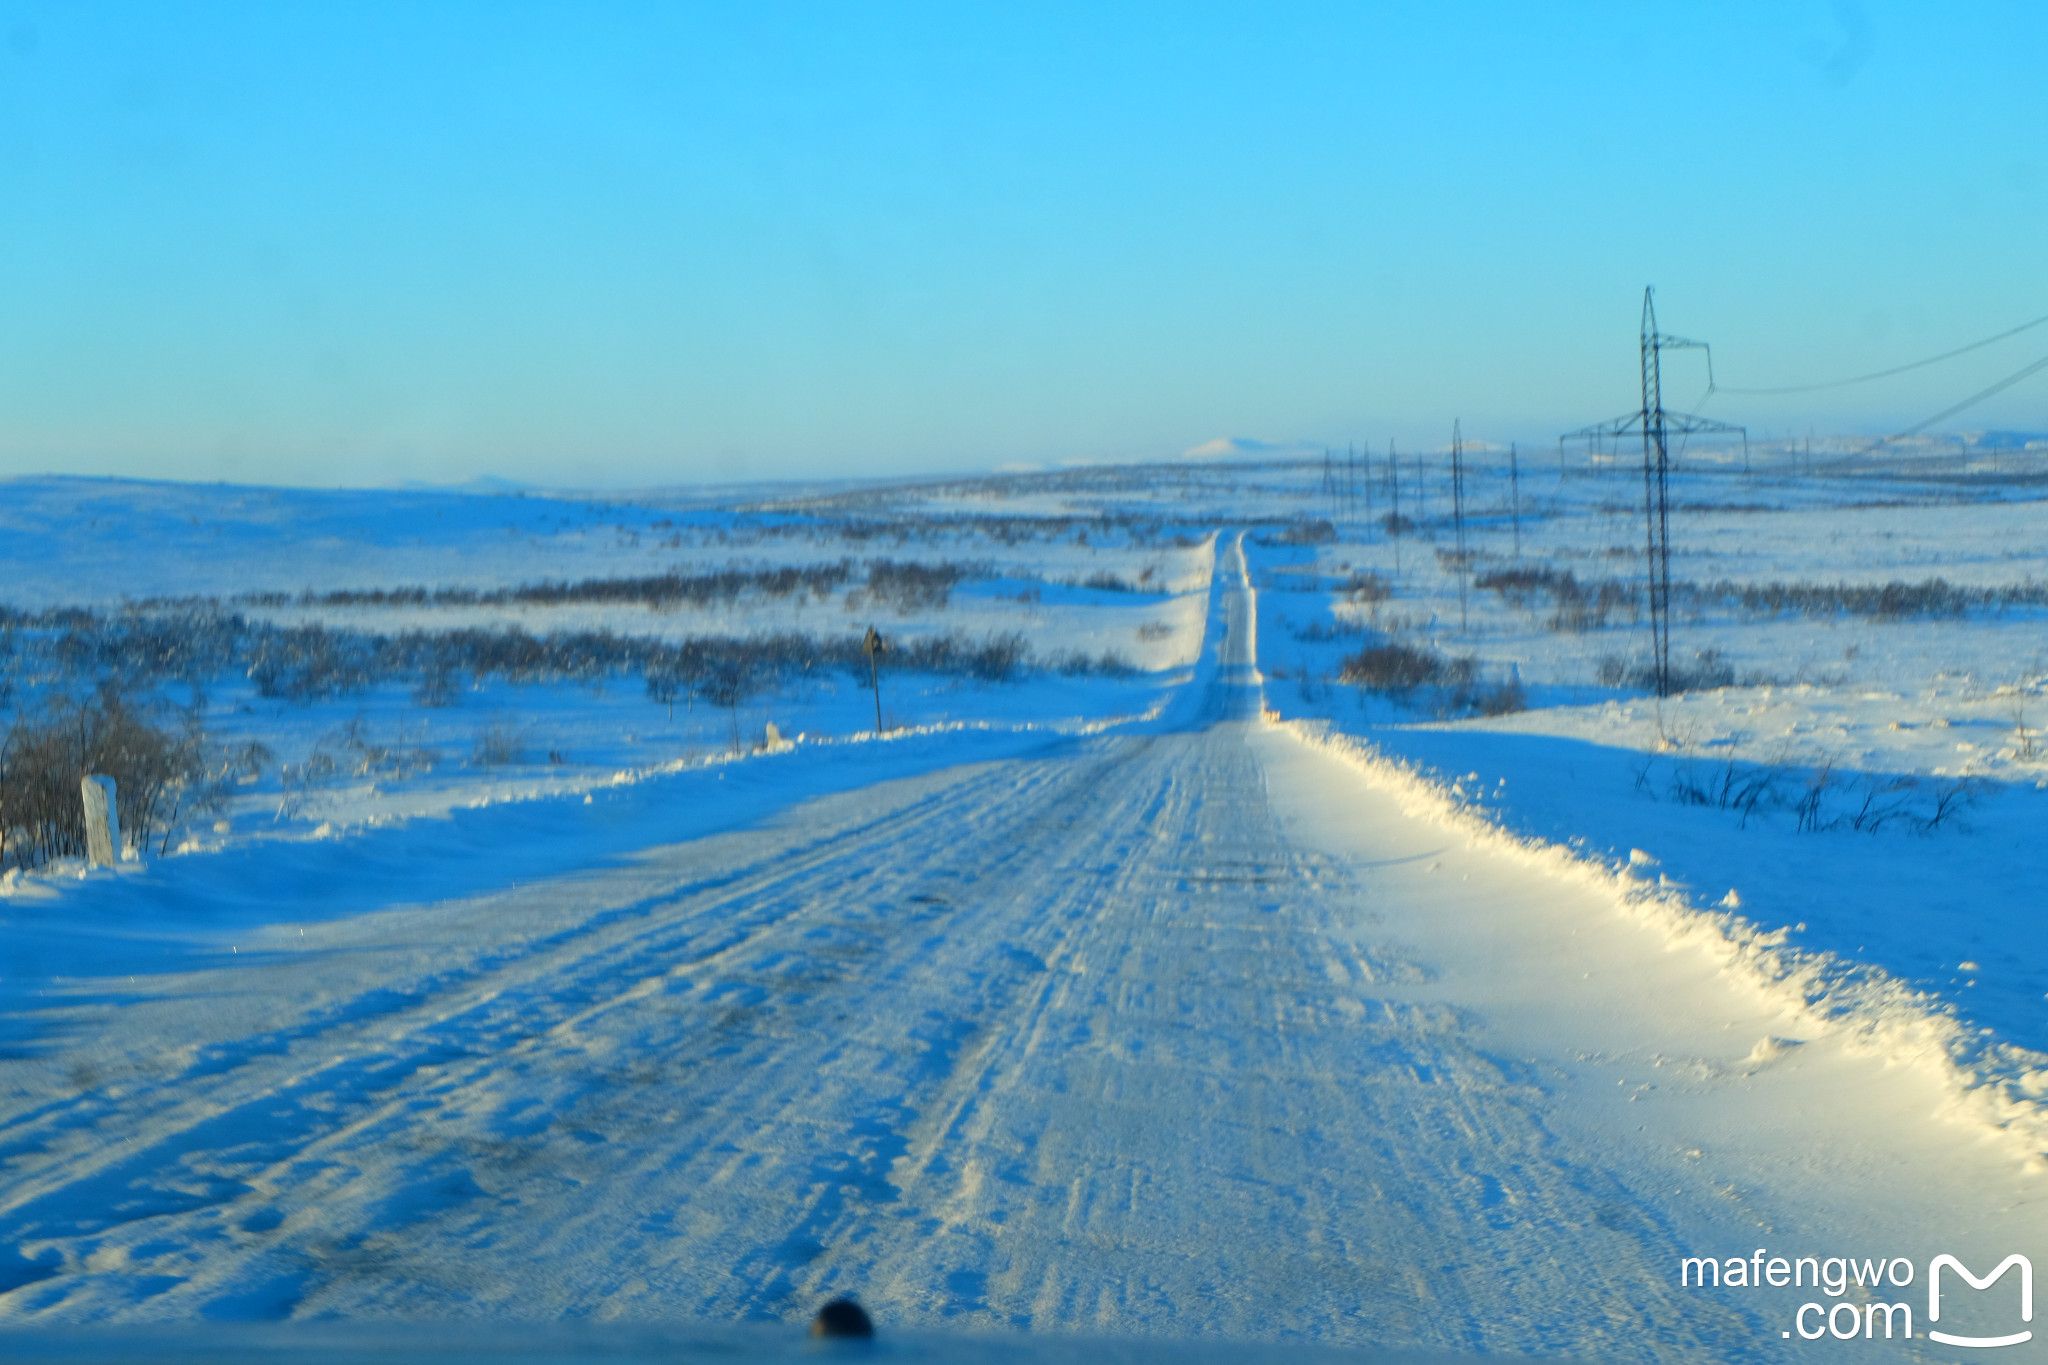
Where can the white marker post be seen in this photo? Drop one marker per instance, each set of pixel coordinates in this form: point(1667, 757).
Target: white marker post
point(102, 821)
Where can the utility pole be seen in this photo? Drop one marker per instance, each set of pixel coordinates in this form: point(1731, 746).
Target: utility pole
point(1656, 426)
point(1515, 497)
point(1458, 518)
point(1394, 520)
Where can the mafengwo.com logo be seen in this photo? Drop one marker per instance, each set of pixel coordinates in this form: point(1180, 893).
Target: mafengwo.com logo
point(1860, 1297)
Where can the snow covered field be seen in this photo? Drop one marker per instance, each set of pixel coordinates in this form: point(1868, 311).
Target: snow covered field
point(1159, 983)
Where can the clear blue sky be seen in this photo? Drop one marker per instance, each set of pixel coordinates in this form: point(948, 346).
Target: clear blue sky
point(619, 244)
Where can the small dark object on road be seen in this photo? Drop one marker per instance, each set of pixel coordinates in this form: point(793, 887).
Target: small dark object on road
point(842, 1318)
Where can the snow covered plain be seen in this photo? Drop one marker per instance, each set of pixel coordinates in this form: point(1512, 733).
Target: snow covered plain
point(1212, 998)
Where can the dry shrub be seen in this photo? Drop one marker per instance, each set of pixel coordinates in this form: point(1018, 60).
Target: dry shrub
point(918, 587)
point(164, 775)
point(1366, 589)
point(1393, 669)
point(1704, 672)
point(1576, 607)
point(1316, 532)
point(498, 745)
point(1930, 599)
point(1448, 687)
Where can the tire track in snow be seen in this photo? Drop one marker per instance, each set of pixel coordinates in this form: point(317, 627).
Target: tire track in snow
point(372, 1027)
point(1076, 1043)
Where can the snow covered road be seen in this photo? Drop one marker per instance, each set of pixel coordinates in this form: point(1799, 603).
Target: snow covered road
point(1184, 1032)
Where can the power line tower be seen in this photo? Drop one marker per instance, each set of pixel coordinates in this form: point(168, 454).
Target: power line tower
point(1656, 426)
point(1458, 518)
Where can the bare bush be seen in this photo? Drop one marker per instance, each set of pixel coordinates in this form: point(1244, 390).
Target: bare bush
point(163, 774)
point(310, 663)
point(499, 744)
point(1882, 799)
point(1501, 699)
point(1727, 783)
point(1813, 795)
point(997, 657)
point(1576, 607)
point(1952, 796)
point(1365, 589)
point(909, 587)
point(1393, 668)
point(2023, 738)
point(1313, 532)
point(677, 670)
point(1816, 792)
point(1447, 687)
point(1080, 663)
point(1704, 672)
point(438, 688)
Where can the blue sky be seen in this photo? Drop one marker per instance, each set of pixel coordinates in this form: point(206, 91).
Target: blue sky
point(617, 244)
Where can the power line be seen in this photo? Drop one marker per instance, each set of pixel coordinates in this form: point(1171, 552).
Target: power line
point(1886, 374)
point(1946, 413)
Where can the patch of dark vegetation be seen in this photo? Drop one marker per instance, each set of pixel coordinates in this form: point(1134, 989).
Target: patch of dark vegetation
point(1704, 672)
point(1575, 607)
point(908, 587)
point(1817, 794)
point(813, 519)
point(1579, 606)
point(1079, 663)
point(1929, 599)
point(1324, 632)
point(311, 663)
point(167, 773)
point(1105, 581)
point(353, 752)
point(1446, 687)
point(1316, 532)
point(1365, 588)
point(661, 591)
point(1393, 669)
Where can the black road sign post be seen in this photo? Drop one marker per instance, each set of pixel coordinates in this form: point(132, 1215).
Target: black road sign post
point(872, 646)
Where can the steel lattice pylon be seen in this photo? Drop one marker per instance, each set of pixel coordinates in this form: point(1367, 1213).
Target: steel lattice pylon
point(1657, 426)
